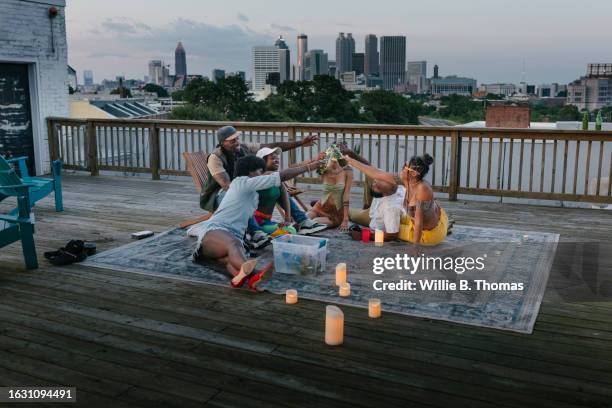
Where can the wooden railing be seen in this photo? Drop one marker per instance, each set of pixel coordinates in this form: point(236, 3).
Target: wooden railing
point(525, 163)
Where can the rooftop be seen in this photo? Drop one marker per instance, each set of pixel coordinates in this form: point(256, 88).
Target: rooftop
point(132, 340)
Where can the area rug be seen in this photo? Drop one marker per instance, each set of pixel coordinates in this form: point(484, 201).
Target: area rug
point(505, 294)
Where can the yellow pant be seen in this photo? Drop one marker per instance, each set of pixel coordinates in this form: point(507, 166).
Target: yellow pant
point(428, 237)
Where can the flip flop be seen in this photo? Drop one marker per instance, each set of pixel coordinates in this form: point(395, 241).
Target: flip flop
point(66, 258)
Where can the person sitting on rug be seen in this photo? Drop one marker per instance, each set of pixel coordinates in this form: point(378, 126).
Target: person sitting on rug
point(425, 223)
point(220, 237)
point(261, 222)
point(385, 210)
point(221, 164)
point(333, 207)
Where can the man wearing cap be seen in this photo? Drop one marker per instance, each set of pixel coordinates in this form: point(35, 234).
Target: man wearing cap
point(222, 160)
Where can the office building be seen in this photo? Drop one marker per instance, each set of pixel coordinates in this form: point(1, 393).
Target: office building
point(315, 63)
point(88, 79)
point(331, 68)
point(180, 61)
point(217, 74)
point(284, 62)
point(159, 74)
point(345, 48)
point(302, 49)
point(436, 73)
point(593, 91)
point(358, 62)
point(264, 59)
point(498, 89)
point(370, 65)
point(417, 76)
point(452, 85)
point(549, 90)
point(240, 74)
point(392, 60)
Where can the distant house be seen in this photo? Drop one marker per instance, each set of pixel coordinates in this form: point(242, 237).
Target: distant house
point(33, 76)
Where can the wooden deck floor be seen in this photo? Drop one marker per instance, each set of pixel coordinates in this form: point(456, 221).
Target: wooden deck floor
point(129, 340)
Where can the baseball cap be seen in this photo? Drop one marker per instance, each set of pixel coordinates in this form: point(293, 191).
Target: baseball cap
point(264, 151)
point(225, 133)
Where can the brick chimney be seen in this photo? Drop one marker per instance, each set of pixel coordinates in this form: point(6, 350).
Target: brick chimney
point(503, 116)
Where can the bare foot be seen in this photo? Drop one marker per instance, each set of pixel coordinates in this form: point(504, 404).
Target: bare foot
point(245, 270)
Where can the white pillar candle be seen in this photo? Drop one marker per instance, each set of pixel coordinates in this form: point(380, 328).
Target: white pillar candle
point(374, 308)
point(291, 296)
point(334, 326)
point(345, 289)
point(379, 238)
point(340, 274)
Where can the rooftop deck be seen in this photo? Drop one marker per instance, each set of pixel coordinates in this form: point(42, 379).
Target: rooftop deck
point(128, 340)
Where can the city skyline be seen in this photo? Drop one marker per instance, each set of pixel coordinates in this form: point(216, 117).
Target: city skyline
point(536, 36)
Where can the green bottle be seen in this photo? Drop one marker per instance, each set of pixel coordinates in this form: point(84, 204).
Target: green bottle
point(598, 121)
point(585, 121)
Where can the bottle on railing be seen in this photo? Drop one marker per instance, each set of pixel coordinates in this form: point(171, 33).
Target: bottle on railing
point(585, 121)
point(598, 121)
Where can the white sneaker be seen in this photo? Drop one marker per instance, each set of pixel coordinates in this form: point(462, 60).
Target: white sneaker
point(308, 227)
point(259, 239)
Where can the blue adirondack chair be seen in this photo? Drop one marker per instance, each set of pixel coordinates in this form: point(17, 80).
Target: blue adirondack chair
point(38, 187)
point(19, 227)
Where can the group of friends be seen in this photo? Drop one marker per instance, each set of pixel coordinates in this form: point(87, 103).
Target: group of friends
point(245, 184)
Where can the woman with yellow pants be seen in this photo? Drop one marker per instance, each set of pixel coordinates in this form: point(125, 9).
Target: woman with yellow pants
point(424, 221)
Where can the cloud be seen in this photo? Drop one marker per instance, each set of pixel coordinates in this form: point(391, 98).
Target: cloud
point(242, 17)
point(134, 43)
point(124, 26)
point(282, 27)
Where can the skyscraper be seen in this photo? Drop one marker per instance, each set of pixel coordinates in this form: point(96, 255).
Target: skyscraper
point(180, 60)
point(218, 74)
point(158, 73)
point(435, 74)
point(393, 60)
point(284, 61)
point(345, 48)
point(264, 60)
point(417, 75)
point(88, 77)
point(370, 66)
point(302, 49)
point(315, 63)
point(358, 62)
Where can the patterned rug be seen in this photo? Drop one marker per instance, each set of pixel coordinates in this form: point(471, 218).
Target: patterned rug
point(511, 259)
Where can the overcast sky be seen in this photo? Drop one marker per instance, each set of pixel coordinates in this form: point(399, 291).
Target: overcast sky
point(489, 40)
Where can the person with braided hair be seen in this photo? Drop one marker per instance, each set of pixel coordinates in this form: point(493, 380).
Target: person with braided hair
point(424, 222)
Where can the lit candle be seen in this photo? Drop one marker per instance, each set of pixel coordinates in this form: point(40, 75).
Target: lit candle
point(340, 274)
point(345, 289)
point(374, 308)
point(379, 237)
point(291, 296)
point(334, 326)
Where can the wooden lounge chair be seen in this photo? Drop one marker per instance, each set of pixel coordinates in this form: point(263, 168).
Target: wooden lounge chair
point(197, 167)
point(18, 225)
point(38, 187)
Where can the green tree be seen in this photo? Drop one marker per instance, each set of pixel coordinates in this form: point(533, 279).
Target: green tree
point(159, 90)
point(126, 93)
point(389, 107)
point(70, 90)
point(460, 109)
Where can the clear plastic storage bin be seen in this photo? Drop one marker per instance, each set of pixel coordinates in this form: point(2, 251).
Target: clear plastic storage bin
point(299, 255)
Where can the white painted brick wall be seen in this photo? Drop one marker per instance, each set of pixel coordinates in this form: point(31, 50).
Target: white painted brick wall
point(25, 36)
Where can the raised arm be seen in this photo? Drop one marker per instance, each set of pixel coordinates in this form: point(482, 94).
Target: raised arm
point(307, 141)
point(291, 172)
point(371, 171)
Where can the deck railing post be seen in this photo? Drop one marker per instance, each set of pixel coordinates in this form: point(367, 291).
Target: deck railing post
point(291, 138)
point(455, 165)
point(92, 148)
point(154, 151)
point(52, 139)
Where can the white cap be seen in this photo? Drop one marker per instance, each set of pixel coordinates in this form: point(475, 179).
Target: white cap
point(264, 151)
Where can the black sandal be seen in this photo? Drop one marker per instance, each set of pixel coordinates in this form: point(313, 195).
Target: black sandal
point(74, 251)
